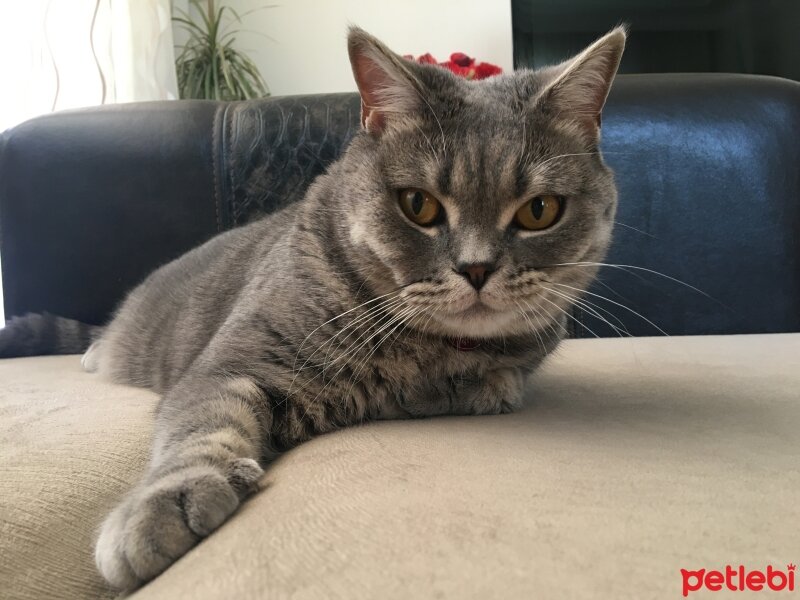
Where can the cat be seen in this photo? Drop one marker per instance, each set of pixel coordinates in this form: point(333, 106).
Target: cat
point(427, 272)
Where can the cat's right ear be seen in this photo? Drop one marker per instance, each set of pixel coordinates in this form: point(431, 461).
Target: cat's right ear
point(388, 88)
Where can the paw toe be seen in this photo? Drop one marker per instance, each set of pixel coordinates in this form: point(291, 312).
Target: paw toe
point(207, 501)
point(243, 475)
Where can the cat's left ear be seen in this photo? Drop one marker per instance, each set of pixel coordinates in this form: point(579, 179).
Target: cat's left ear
point(579, 91)
point(388, 88)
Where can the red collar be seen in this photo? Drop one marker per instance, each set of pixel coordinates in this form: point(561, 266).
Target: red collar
point(465, 344)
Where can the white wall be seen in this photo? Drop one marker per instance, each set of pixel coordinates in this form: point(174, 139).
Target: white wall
point(307, 53)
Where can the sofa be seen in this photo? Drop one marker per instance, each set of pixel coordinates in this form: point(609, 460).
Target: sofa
point(647, 452)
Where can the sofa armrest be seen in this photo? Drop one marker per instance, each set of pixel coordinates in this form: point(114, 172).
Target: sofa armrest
point(92, 200)
point(708, 169)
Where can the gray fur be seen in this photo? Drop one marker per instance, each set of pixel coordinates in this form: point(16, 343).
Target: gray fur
point(34, 334)
point(339, 310)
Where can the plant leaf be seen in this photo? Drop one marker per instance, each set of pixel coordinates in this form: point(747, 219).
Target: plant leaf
point(208, 66)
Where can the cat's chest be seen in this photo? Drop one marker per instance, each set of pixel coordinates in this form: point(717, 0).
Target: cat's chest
point(406, 363)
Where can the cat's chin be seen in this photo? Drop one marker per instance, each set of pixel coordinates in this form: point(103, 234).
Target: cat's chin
point(478, 322)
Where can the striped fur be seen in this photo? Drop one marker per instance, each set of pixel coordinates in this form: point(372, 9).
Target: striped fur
point(34, 334)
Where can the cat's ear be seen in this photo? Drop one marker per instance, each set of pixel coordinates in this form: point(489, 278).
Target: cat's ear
point(579, 91)
point(387, 86)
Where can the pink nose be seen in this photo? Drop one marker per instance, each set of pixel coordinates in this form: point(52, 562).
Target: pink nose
point(476, 273)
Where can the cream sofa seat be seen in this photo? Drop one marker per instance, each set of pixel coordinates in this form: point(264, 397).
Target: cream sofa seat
point(635, 458)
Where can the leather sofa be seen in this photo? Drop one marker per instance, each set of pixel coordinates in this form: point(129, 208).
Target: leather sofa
point(636, 457)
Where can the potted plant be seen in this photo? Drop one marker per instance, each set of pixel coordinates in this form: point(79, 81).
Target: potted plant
point(208, 66)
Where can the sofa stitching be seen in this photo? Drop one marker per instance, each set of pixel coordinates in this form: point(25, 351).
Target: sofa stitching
point(214, 166)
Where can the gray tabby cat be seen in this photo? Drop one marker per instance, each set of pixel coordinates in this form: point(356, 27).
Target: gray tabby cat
point(427, 272)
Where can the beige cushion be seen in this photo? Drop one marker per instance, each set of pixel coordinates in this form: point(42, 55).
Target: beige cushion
point(635, 458)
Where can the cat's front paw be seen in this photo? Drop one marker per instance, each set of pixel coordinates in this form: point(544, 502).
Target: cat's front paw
point(162, 520)
point(500, 392)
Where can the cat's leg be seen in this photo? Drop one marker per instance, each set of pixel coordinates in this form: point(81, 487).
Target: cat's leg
point(497, 391)
point(210, 435)
point(500, 391)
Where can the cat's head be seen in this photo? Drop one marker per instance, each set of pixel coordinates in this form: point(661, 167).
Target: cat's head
point(467, 194)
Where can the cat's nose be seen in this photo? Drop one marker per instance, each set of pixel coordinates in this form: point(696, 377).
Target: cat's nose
point(475, 273)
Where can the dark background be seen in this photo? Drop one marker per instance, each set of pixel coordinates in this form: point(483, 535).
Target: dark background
point(667, 36)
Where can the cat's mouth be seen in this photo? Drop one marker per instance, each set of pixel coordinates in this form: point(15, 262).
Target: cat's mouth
point(479, 305)
point(478, 320)
point(477, 309)
point(479, 314)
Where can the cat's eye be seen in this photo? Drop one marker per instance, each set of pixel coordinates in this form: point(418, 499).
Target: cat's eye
point(420, 207)
point(539, 213)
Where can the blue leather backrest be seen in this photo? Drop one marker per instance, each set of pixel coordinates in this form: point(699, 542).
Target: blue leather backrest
point(707, 166)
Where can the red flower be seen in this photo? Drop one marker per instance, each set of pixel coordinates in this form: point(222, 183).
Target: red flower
point(467, 72)
point(484, 70)
point(462, 65)
point(426, 59)
point(462, 60)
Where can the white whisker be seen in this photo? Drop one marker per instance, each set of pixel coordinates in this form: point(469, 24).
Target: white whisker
point(616, 304)
point(623, 267)
point(568, 315)
point(588, 308)
point(636, 230)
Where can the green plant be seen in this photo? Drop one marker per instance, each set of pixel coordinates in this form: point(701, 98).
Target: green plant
point(208, 66)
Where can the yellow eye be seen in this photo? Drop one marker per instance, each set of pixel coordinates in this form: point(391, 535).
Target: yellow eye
point(419, 206)
point(539, 213)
